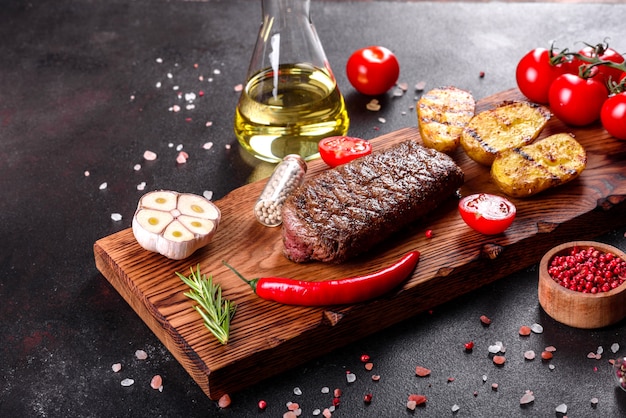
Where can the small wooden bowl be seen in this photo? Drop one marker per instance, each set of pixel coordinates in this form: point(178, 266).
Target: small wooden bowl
point(577, 309)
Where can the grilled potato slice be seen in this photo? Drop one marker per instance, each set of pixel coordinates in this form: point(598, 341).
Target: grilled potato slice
point(550, 162)
point(442, 113)
point(509, 125)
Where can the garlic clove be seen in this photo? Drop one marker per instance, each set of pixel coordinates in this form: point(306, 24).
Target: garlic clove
point(159, 200)
point(174, 224)
point(194, 205)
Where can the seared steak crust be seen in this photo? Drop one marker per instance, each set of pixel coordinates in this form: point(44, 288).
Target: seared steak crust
point(344, 211)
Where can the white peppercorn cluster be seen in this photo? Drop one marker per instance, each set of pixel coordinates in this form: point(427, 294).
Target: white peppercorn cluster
point(287, 176)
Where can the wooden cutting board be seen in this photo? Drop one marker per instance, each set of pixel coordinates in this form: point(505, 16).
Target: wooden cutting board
point(268, 338)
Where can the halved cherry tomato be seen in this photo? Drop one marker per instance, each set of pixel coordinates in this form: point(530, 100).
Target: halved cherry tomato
point(535, 72)
point(373, 70)
point(577, 101)
point(486, 213)
point(337, 150)
point(613, 115)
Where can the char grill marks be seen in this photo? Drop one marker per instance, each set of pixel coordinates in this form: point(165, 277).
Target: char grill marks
point(345, 211)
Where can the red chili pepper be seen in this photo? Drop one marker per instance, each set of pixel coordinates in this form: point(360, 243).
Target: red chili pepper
point(333, 292)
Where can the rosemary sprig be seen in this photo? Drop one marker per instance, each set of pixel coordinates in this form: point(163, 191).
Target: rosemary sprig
point(215, 311)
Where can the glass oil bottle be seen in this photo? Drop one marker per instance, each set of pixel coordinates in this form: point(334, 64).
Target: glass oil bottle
point(291, 100)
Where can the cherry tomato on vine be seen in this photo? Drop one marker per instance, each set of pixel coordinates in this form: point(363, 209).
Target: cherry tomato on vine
point(337, 150)
point(373, 70)
point(603, 72)
point(535, 73)
point(487, 213)
point(613, 115)
point(575, 100)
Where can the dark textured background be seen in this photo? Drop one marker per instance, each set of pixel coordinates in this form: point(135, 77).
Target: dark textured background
point(77, 93)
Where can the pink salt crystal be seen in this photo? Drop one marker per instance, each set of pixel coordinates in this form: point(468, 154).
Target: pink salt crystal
point(149, 155)
point(327, 413)
point(224, 401)
point(290, 414)
point(116, 367)
point(156, 382)
point(238, 87)
point(182, 157)
point(527, 398)
point(141, 355)
point(529, 355)
point(375, 377)
point(207, 145)
point(369, 366)
point(411, 405)
point(87, 174)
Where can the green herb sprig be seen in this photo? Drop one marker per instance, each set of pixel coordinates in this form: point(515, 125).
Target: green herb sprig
point(215, 311)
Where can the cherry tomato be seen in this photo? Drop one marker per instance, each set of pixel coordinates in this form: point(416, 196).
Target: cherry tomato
point(337, 150)
point(373, 70)
point(486, 213)
point(613, 115)
point(535, 73)
point(575, 100)
point(603, 72)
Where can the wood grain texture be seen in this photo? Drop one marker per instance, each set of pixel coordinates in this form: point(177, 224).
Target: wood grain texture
point(268, 338)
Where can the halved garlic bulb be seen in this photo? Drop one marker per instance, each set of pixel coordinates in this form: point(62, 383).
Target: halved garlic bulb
point(174, 224)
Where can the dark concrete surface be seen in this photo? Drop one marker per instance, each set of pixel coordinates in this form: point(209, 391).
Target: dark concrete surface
point(78, 93)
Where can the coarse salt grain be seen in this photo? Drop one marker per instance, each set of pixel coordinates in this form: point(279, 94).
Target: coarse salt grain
point(373, 105)
point(561, 409)
point(116, 367)
point(159, 60)
point(529, 355)
point(238, 87)
point(350, 377)
point(422, 371)
point(224, 401)
point(420, 86)
point(149, 155)
point(116, 217)
point(182, 157)
point(297, 391)
point(156, 382)
point(614, 348)
point(208, 124)
point(536, 328)
point(527, 398)
point(87, 174)
point(103, 186)
point(141, 186)
point(207, 145)
point(158, 85)
point(137, 167)
point(127, 382)
point(179, 147)
point(325, 389)
point(141, 355)
point(208, 194)
point(455, 408)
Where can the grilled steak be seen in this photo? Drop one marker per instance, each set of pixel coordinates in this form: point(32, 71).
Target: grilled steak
point(344, 211)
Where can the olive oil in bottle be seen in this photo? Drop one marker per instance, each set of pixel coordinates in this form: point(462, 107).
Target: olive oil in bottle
point(275, 119)
point(290, 100)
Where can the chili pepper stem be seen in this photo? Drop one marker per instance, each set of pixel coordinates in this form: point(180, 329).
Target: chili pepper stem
point(252, 283)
